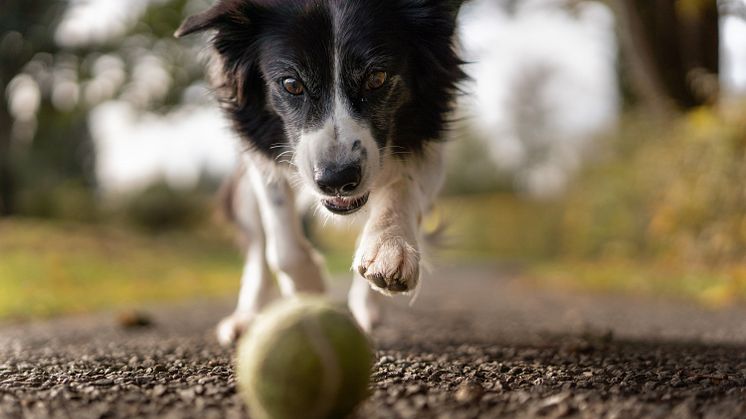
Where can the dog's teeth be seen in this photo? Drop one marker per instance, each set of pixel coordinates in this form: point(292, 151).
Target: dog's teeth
point(344, 204)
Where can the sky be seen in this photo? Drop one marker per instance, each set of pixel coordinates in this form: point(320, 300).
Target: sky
point(567, 65)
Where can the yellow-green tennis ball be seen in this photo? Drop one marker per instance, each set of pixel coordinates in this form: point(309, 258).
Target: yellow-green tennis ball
point(304, 358)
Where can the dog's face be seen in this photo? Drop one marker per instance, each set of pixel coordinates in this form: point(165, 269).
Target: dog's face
point(334, 76)
point(335, 88)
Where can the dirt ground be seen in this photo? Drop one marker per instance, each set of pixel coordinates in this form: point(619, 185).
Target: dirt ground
point(478, 342)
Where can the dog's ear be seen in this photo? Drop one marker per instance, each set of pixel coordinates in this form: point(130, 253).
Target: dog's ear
point(208, 19)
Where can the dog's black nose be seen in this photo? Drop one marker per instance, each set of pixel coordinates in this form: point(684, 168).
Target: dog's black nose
point(338, 180)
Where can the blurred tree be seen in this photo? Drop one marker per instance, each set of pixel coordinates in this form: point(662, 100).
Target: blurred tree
point(47, 89)
point(673, 50)
point(24, 32)
point(7, 190)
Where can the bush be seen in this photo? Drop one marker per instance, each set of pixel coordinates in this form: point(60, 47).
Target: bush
point(68, 200)
point(673, 191)
point(161, 208)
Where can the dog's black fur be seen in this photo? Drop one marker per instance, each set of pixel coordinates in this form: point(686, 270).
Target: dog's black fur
point(262, 42)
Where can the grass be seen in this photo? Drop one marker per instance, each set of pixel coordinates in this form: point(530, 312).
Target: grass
point(50, 268)
point(713, 288)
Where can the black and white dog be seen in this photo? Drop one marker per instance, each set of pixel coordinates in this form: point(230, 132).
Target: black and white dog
point(345, 101)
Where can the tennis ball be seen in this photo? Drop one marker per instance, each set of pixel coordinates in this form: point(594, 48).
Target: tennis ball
point(303, 357)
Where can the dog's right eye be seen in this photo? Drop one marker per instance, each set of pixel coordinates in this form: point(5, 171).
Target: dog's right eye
point(293, 86)
point(376, 80)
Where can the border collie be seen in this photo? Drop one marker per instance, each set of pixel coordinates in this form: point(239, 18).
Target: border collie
point(344, 101)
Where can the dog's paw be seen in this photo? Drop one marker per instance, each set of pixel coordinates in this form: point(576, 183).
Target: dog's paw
point(232, 327)
point(390, 264)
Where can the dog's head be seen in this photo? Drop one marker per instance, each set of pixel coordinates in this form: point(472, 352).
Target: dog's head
point(335, 88)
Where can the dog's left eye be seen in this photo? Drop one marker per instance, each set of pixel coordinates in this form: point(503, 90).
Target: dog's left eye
point(376, 80)
point(293, 86)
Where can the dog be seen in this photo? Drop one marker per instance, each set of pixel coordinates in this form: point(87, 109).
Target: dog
point(342, 103)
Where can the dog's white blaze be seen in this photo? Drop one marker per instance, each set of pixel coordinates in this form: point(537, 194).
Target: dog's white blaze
point(334, 142)
point(308, 151)
point(349, 131)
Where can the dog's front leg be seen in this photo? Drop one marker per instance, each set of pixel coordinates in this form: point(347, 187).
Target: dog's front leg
point(265, 211)
point(388, 254)
point(256, 281)
point(288, 252)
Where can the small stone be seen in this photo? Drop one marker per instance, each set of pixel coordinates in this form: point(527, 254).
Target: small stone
point(414, 389)
point(131, 319)
point(469, 391)
point(187, 395)
point(159, 390)
point(103, 383)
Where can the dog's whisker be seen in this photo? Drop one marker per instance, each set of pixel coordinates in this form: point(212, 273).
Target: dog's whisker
point(399, 150)
point(280, 145)
point(285, 153)
point(295, 179)
point(316, 210)
point(288, 162)
point(280, 156)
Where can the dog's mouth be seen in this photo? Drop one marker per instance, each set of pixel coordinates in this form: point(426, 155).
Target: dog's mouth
point(343, 205)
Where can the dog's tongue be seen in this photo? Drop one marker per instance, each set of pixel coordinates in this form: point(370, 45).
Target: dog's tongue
point(340, 202)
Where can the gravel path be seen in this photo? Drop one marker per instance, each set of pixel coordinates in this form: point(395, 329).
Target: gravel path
point(477, 343)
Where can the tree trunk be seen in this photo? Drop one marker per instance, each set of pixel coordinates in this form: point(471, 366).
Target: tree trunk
point(7, 180)
point(674, 49)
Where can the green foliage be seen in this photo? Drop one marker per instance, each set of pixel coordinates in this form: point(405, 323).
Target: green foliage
point(660, 211)
point(68, 200)
point(161, 208)
point(26, 28)
point(674, 193)
point(470, 170)
point(54, 146)
point(55, 172)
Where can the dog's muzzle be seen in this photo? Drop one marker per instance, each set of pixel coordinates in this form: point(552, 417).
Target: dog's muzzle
point(338, 180)
point(340, 184)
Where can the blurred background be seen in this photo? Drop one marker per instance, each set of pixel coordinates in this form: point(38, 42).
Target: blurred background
point(601, 145)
